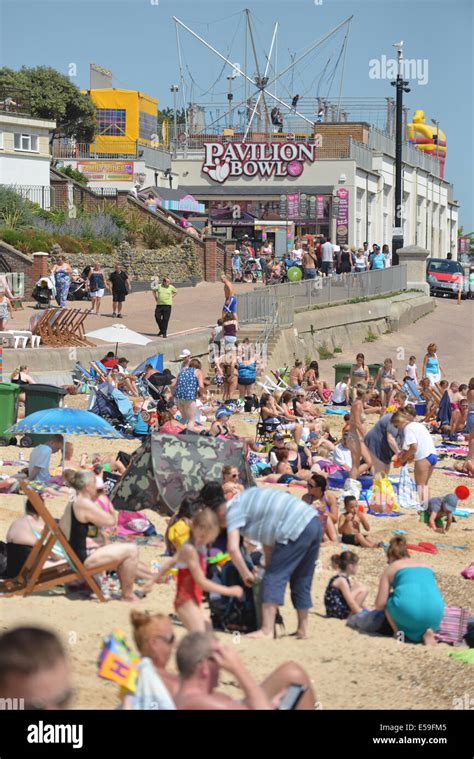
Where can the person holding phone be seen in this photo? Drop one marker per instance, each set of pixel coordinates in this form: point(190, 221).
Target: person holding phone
point(200, 659)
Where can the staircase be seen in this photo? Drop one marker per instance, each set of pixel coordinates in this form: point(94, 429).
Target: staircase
point(264, 343)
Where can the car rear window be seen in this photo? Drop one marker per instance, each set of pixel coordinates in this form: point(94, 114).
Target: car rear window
point(445, 267)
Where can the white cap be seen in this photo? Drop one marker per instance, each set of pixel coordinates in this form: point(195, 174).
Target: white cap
point(185, 353)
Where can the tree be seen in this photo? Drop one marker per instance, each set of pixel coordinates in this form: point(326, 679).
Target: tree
point(53, 96)
point(168, 113)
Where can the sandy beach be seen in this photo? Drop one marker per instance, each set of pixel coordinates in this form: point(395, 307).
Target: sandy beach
point(349, 670)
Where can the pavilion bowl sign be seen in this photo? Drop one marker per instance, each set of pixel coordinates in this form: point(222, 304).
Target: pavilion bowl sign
point(251, 159)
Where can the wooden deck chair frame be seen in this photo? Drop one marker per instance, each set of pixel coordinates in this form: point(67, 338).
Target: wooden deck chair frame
point(72, 326)
point(32, 577)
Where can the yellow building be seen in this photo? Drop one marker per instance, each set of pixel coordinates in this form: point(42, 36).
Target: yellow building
point(124, 118)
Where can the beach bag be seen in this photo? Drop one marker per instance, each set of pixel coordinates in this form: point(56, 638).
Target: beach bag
point(132, 523)
point(383, 494)
point(468, 572)
point(407, 495)
point(233, 614)
point(453, 626)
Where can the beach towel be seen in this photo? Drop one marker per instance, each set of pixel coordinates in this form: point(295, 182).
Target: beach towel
point(423, 547)
point(466, 656)
point(453, 626)
point(444, 410)
point(151, 693)
point(468, 572)
point(385, 513)
point(407, 495)
point(335, 410)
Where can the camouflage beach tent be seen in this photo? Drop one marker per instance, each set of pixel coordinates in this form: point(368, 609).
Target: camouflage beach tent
point(166, 468)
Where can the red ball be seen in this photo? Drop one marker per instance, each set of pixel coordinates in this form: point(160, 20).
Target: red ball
point(462, 492)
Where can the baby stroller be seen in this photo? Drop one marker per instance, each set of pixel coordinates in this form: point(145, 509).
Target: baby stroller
point(43, 292)
point(113, 406)
point(252, 270)
point(78, 289)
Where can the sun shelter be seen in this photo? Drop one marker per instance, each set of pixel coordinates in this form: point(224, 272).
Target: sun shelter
point(166, 468)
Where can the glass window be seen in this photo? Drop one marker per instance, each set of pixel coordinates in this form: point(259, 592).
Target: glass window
point(444, 266)
point(27, 142)
point(111, 121)
point(147, 125)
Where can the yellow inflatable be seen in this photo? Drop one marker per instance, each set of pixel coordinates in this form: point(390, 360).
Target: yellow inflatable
point(423, 136)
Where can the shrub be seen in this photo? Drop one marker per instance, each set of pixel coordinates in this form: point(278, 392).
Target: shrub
point(371, 336)
point(78, 176)
point(15, 211)
point(324, 351)
point(152, 235)
point(87, 227)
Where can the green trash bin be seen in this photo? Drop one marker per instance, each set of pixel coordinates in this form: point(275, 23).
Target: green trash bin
point(38, 398)
point(9, 393)
point(341, 370)
point(373, 369)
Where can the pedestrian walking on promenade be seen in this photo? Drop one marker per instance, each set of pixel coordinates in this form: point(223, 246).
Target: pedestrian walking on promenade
point(164, 295)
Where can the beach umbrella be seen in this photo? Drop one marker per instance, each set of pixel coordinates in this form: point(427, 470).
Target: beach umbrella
point(156, 362)
point(64, 421)
point(120, 335)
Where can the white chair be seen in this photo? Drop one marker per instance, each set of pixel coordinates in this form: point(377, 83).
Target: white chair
point(35, 340)
point(13, 341)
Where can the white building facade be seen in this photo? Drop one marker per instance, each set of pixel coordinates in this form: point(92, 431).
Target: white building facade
point(367, 174)
point(24, 150)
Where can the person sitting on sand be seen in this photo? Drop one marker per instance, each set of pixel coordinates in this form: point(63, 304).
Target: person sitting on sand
point(273, 416)
point(304, 408)
point(458, 424)
point(83, 511)
point(22, 535)
point(342, 456)
point(350, 523)
point(40, 458)
point(287, 472)
point(440, 508)
point(320, 446)
point(344, 596)
point(201, 657)
point(409, 595)
point(169, 425)
point(325, 503)
point(191, 562)
point(230, 473)
point(155, 639)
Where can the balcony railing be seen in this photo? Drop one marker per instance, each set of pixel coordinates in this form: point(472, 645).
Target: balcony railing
point(14, 101)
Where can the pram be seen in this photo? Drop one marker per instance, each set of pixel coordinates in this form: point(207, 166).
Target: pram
point(113, 406)
point(78, 289)
point(43, 292)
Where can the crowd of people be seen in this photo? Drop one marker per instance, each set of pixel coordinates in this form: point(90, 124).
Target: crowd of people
point(307, 484)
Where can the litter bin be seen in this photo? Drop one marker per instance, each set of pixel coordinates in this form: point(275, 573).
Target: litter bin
point(9, 393)
point(38, 398)
point(373, 369)
point(341, 370)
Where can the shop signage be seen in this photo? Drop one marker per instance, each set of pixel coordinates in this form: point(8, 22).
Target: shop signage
point(250, 159)
point(342, 216)
point(107, 171)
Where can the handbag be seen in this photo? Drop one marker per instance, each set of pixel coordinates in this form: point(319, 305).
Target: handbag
point(453, 626)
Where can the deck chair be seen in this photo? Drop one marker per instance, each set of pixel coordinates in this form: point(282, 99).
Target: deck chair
point(32, 577)
point(43, 326)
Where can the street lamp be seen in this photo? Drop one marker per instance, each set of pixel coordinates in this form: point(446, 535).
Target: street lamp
point(401, 86)
point(174, 89)
point(436, 124)
point(230, 96)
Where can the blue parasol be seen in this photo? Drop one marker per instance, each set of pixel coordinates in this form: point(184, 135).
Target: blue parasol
point(64, 421)
point(156, 361)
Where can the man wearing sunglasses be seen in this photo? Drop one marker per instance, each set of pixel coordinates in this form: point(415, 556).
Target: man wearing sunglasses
point(201, 658)
point(34, 670)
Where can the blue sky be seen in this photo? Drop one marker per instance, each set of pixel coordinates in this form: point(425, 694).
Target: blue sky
point(137, 40)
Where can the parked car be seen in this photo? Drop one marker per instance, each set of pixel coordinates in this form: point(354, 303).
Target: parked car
point(445, 277)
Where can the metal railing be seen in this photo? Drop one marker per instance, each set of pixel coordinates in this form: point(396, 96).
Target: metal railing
point(262, 304)
point(110, 149)
point(42, 195)
point(15, 102)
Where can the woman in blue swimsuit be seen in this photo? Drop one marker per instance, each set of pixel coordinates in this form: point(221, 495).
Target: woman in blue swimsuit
point(409, 595)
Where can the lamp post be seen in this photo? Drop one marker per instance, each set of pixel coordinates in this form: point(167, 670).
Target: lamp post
point(230, 97)
point(436, 124)
point(401, 86)
point(174, 89)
